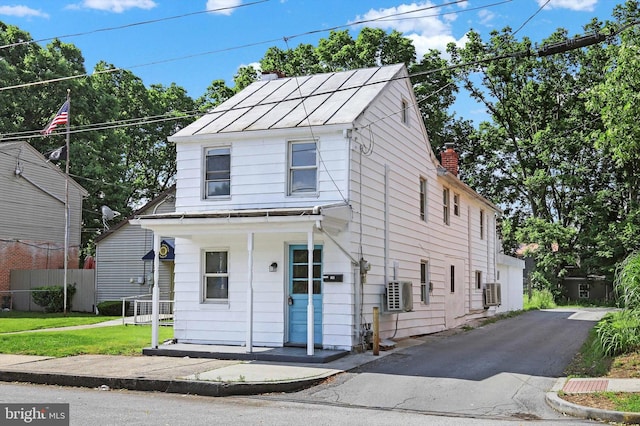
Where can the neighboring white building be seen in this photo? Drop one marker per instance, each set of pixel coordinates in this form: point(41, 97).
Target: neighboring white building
point(338, 163)
point(124, 264)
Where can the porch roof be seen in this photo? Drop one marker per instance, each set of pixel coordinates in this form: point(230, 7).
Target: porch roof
point(299, 219)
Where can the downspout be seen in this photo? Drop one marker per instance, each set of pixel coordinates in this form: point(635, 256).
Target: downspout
point(357, 293)
point(386, 223)
point(470, 255)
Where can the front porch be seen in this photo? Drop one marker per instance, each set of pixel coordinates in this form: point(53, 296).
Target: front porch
point(290, 354)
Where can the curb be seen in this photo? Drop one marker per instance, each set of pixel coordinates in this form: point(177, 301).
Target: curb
point(568, 408)
point(202, 388)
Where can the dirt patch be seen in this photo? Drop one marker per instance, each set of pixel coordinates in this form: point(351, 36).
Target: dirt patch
point(593, 400)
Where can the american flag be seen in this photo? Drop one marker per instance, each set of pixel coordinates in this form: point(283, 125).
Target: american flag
point(61, 118)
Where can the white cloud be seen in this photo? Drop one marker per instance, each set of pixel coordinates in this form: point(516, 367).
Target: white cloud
point(226, 5)
point(578, 5)
point(21, 11)
point(422, 27)
point(118, 6)
point(486, 17)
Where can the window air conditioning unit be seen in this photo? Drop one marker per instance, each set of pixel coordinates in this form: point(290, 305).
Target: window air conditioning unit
point(492, 295)
point(399, 296)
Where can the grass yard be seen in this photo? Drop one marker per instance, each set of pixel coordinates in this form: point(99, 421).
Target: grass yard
point(12, 321)
point(112, 340)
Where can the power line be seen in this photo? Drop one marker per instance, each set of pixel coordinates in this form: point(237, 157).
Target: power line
point(134, 24)
point(531, 17)
point(545, 50)
point(286, 38)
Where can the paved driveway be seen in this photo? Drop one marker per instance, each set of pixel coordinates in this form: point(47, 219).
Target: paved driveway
point(499, 371)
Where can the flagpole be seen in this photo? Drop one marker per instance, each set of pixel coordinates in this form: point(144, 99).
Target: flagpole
point(66, 204)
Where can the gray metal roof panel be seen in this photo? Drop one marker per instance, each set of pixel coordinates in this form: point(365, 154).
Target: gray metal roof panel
point(330, 98)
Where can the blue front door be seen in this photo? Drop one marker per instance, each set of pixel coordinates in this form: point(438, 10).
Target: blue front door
point(299, 294)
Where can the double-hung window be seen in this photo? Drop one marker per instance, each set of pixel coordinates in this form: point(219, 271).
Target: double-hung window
point(216, 275)
point(425, 284)
point(303, 167)
point(446, 205)
point(217, 172)
point(423, 199)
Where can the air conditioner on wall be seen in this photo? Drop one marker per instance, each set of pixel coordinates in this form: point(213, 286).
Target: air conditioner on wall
point(398, 296)
point(492, 295)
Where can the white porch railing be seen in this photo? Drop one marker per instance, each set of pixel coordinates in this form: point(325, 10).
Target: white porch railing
point(143, 309)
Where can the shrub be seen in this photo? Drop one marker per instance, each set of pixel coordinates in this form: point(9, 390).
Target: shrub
point(112, 307)
point(619, 332)
point(540, 299)
point(51, 298)
point(627, 281)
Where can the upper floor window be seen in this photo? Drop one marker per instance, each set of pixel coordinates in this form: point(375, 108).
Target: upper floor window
point(423, 199)
point(216, 275)
point(482, 224)
point(446, 207)
point(217, 172)
point(456, 204)
point(404, 113)
point(303, 167)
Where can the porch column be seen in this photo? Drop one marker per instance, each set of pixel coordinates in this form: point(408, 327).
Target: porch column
point(310, 338)
point(249, 339)
point(155, 295)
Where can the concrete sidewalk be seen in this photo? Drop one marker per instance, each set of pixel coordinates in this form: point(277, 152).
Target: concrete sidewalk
point(202, 376)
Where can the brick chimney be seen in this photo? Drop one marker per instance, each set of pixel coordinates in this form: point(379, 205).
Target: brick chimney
point(271, 75)
point(449, 159)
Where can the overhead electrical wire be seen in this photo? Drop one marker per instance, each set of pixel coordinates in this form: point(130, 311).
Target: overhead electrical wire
point(545, 50)
point(549, 49)
point(133, 24)
point(531, 17)
point(286, 38)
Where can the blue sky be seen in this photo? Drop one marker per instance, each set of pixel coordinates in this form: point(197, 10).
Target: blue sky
point(193, 48)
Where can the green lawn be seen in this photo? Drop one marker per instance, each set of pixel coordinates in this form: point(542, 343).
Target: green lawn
point(21, 321)
point(111, 340)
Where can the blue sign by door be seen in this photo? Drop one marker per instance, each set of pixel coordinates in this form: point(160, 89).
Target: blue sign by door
point(299, 294)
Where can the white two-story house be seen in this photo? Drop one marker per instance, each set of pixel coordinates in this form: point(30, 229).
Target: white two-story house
point(302, 203)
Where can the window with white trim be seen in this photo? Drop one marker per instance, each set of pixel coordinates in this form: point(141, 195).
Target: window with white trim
point(583, 291)
point(217, 179)
point(216, 275)
point(456, 204)
point(404, 113)
point(303, 167)
point(425, 283)
point(423, 199)
point(482, 224)
point(446, 205)
point(478, 280)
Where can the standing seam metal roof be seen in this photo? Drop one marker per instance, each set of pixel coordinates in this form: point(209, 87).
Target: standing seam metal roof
point(317, 100)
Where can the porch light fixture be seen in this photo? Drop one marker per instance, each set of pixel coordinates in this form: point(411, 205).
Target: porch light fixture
point(273, 267)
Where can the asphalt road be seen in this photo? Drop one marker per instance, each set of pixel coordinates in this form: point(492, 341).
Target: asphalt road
point(498, 372)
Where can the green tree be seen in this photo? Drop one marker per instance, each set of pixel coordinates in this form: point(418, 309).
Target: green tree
point(536, 156)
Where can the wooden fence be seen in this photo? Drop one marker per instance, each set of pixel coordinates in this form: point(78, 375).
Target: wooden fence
point(24, 281)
